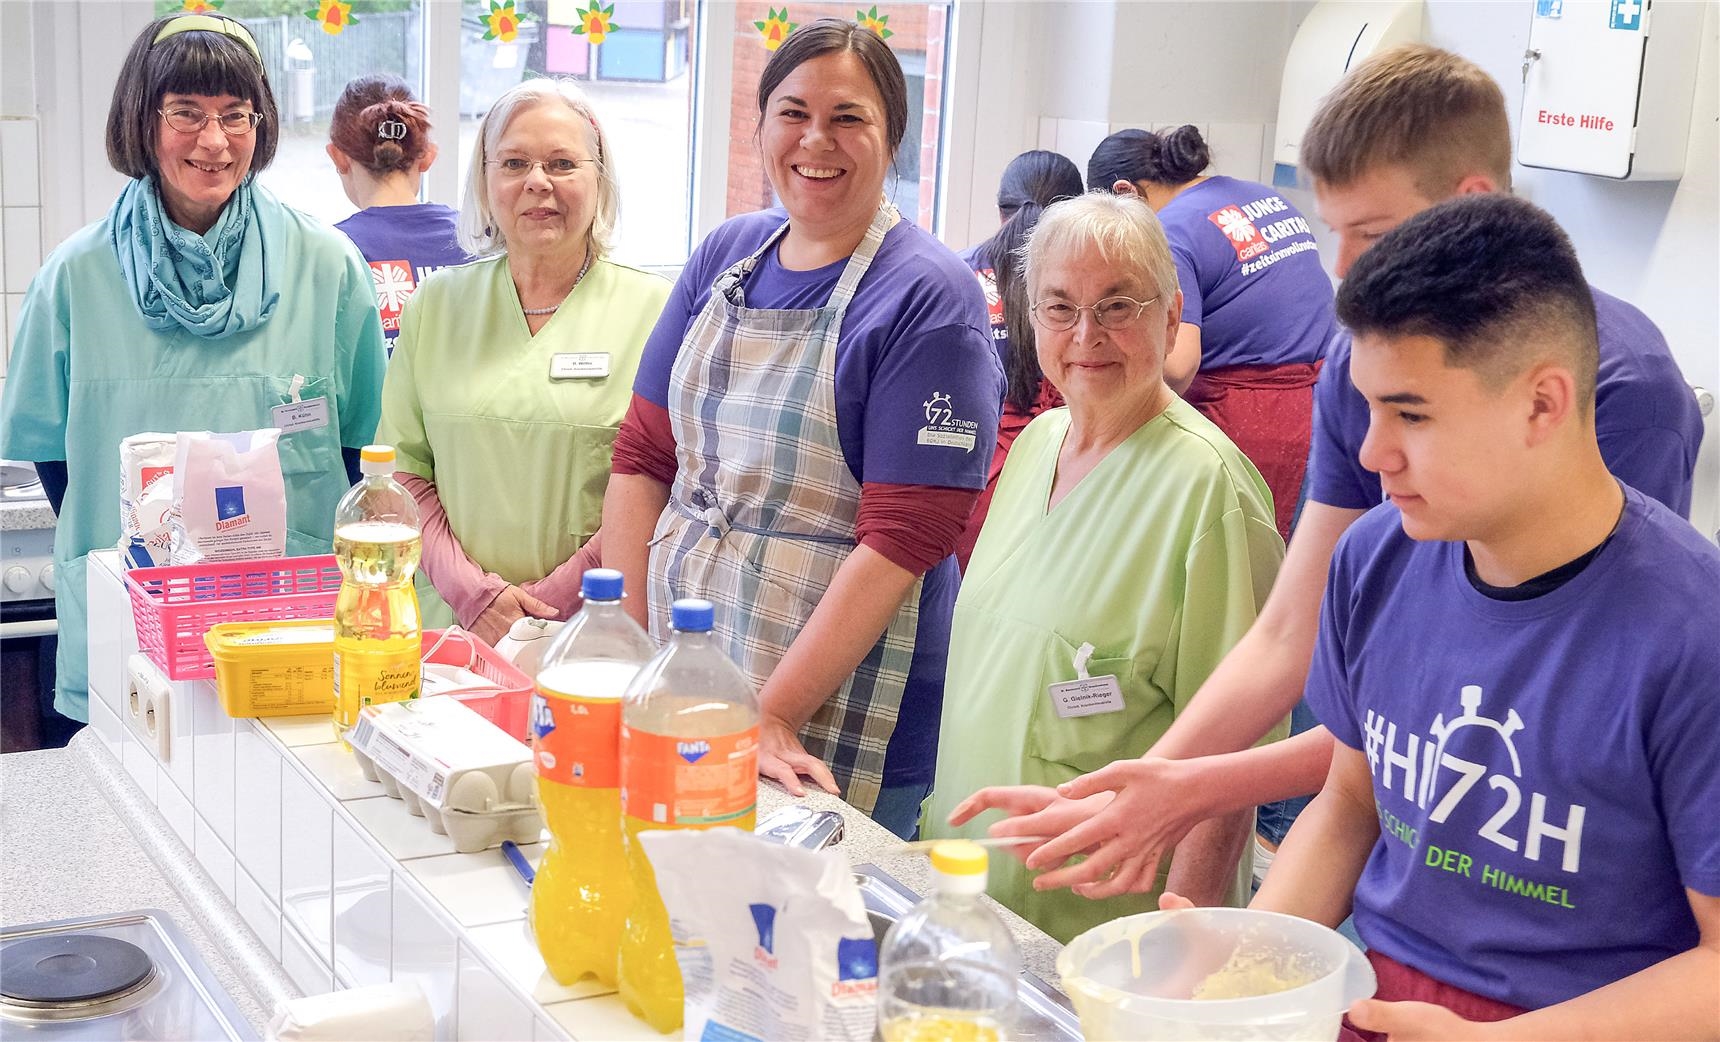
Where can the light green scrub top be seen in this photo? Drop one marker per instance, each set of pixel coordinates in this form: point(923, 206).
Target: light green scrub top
point(1160, 558)
point(518, 450)
point(86, 372)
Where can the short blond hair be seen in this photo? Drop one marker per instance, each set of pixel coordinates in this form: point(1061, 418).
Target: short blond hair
point(478, 232)
point(1437, 115)
point(1122, 228)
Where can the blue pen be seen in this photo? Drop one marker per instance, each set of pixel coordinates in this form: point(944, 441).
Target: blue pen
point(517, 858)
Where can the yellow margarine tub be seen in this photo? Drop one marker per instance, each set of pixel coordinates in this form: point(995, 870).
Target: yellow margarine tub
point(282, 668)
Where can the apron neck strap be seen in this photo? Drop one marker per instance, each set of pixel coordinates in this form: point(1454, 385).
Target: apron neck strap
point(882, 222)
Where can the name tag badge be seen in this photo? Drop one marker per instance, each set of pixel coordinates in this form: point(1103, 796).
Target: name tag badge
point(579, 365)
point(308, 415)
point(1086, 697)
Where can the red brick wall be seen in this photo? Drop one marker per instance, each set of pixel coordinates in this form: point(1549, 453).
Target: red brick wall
point(913, 28)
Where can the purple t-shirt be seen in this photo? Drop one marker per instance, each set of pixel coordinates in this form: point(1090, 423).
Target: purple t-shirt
point(1646, 418)
point(403, 245)
point(1250, 274)
point(913, 353)
point(1577, 737)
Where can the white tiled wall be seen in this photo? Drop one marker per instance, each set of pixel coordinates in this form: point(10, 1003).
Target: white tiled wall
point(20, 217)
point(336, 879)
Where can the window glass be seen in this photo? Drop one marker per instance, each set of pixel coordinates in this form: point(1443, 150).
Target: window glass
point(308, 62)
point(635, 65)
point(916, 33)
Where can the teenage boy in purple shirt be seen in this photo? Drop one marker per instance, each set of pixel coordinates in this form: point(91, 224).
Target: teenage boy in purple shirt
point(1404, 130)
point(1517, 656)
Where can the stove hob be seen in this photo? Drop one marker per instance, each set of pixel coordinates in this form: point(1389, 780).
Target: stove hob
point(131, 976)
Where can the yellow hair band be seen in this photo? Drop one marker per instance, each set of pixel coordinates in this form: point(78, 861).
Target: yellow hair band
point(186, 23)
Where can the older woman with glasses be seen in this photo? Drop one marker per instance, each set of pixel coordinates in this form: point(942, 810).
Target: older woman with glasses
point(199, 302)
point(512, 373)
point(1128, 547)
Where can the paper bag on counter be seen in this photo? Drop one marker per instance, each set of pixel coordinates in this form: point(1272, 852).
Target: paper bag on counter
point(229, 499)
point(773, 942)
point(146, 499)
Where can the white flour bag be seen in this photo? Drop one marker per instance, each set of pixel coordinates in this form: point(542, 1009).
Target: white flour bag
point(146, 499)
point(229, 500)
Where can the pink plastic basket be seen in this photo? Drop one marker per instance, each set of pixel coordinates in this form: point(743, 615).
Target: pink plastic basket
point(509, 706)
point(174, 606)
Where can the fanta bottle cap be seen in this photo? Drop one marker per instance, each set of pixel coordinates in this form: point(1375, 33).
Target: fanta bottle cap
point(691, 615)
point(376, 459)
point(600, 584)
point(960, 866)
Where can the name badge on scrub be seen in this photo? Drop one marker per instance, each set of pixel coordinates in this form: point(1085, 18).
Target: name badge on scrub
point(1085, 695)
point(579, 365)
point(308, 415)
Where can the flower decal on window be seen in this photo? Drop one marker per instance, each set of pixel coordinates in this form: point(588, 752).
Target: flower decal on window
point(595, 21)
point(503, 22)
point(775, 28)
point(202, 6)
point(874, 21)
point(332, 15)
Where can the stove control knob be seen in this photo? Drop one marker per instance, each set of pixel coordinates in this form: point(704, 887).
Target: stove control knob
point(48, 577)
point(18, 579)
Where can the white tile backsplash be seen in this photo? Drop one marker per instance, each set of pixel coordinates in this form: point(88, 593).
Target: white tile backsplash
point(213, 736)
point(20, 177)
point(300, 959)
point(105, 724)
point(476, 889)
point(110, 613)
point(140, 764)
point(294, 731)
point(487, 1008)
point(181, 749)
point(262, 915)
point(23, 230)
point(307, 860)
point(426, 952)
point(605, 1017)
point(402, 835)
point(257, 799)
point(362, 916)
point(175, 806)
point(512, 949)
point(337, 768)
point(215, 858)
point(1236, 149)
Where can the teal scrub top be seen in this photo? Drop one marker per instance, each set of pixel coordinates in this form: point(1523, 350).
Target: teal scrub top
point(1160, 558)
point(86, 372)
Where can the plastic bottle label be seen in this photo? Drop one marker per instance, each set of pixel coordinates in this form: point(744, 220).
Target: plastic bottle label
point(689, 781)
point(576, 741)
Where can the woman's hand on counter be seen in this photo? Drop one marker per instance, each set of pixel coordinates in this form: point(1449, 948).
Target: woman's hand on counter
point(511, 604)
point(784, 760)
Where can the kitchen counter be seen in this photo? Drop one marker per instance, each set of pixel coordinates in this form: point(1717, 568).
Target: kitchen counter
point(69, 854)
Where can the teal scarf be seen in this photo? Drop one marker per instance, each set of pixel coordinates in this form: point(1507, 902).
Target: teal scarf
point(212, 285)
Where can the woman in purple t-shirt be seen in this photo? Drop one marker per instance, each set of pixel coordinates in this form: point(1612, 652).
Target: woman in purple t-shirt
point(1257, 305)
point(379, 140)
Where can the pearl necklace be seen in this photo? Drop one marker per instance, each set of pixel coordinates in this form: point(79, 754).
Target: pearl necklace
point(583, 268)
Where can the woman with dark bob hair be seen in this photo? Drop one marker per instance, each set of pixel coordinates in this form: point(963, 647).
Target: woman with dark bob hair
point(812, 422)
point(199, 302)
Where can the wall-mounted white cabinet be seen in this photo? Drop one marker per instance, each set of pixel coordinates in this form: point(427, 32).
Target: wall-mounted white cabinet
point(1608, 86)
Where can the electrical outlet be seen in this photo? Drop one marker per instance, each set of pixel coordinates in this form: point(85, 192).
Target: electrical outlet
point(149, 706)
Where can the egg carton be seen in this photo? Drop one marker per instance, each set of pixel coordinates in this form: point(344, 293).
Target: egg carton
point(471, 781)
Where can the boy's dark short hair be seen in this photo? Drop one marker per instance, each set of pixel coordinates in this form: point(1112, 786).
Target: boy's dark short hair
point(1437, 115)
point(1494, 279)
point(194, 62)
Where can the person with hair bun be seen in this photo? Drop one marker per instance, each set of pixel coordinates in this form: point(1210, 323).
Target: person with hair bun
point(1257, 305)
point(379, 141)
point(1031, 182)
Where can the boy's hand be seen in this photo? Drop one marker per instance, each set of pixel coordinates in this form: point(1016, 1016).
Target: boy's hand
point(1169, 902)
point(1153, 802)
point(1033, 810)
point(1415, 1021)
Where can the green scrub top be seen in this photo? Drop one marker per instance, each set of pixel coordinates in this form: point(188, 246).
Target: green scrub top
point(515, 430)
point(86, 372)
point(1160, 558)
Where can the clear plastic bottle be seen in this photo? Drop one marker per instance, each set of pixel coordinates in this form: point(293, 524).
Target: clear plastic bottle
point(376, 624)
point(947, 970)
point(689, 760)
point(583, 891)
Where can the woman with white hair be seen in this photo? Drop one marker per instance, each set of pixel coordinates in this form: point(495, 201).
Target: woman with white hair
point(512, 373)
point(1128, 546)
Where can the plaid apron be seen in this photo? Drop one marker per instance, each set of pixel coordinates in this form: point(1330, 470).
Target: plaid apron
point(761, 514)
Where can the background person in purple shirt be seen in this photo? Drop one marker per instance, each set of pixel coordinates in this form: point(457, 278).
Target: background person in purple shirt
point(379, 141)
point(1257, 306)
point(1405, 129)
